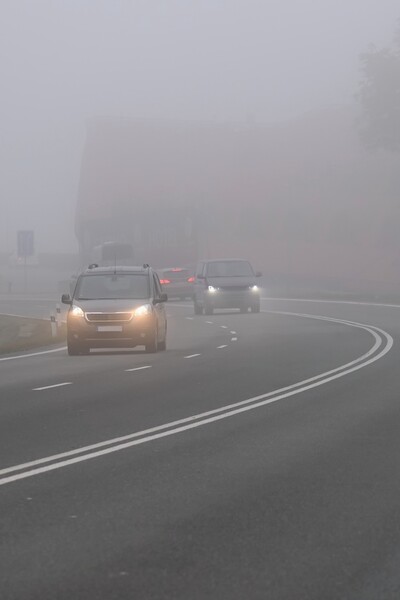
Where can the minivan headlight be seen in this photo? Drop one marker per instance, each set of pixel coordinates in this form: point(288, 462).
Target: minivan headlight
point(76, 311)
point(142, 311)
point(212, 289)
point(254, 288)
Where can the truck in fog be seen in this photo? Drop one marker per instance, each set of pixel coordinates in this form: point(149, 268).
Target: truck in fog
point(132, 201)
point(109, 254)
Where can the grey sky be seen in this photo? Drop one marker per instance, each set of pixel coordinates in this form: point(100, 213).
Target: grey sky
point(63, 61)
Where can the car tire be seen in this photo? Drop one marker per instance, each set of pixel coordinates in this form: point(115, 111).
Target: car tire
point(151, 344)
point(75, 348)
point(208, 310)
point(198, 310)
point(162, 346)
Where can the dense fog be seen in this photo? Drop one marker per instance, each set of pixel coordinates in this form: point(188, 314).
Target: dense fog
point(261, 92)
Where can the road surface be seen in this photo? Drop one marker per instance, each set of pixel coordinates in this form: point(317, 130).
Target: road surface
point(258, 458)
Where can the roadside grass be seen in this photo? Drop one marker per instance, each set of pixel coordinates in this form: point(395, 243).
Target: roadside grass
point(22, 333)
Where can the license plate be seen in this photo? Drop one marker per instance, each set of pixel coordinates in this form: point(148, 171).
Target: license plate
point(109, 328)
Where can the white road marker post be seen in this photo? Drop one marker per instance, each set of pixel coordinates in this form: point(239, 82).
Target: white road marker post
point(58, 315)
point(53, 324)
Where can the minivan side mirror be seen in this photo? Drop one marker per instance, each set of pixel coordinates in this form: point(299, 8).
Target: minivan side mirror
point(66, 299)
point(161, 299)
point(258, 274)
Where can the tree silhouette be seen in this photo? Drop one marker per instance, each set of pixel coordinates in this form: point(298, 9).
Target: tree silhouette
point(379, 96)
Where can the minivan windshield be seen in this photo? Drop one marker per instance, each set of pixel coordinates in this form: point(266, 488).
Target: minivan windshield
point(113, 287)
point(230, 268)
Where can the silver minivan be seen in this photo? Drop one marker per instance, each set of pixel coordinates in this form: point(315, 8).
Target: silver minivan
point(116, 307)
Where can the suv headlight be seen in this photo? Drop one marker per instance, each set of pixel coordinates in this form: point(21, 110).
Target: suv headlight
point(212, 289)
point(254, 288)
point(76, 311)
point(142, 311)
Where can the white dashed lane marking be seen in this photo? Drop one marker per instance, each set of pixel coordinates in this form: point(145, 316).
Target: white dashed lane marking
point(138, 368)
point(234, 339)
point(233, 332)
point(223, 346)
point(209, 322)
point(192, 355)
point(49, 387)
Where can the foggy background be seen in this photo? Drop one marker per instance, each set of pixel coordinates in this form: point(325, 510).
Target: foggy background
point(247, 61)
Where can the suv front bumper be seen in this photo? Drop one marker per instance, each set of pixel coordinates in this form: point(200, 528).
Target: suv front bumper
point(232, 299)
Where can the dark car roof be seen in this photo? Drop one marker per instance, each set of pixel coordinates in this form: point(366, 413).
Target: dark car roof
point(117, 269)
point(212, 260)
point(175, 269)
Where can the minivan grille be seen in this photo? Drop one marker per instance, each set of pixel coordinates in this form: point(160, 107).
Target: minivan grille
point(113, 317)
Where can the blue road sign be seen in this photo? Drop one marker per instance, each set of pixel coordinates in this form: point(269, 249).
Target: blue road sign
point(25, 243)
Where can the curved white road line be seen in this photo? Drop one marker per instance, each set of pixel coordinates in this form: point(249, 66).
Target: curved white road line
point(188, 305)
point(325, 301)
point(383, 342)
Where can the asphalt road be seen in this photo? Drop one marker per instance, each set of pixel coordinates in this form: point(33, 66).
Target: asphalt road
point(258, 458)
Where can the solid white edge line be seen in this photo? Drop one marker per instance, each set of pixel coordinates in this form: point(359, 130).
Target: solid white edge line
point(19, 298)
point(49, 387)
point(33, 354)
point(138, 368)
point(288, 391)
point(25, 317)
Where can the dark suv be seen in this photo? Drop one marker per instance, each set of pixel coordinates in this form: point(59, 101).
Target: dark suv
point(178, 281)
point(116, 307)
point(225, 283)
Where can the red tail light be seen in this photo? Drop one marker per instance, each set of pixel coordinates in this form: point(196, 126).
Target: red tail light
point(191, 280)
point(164, 281)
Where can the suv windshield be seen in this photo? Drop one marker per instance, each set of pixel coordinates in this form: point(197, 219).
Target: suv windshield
point(113, 287)
point(230, 268)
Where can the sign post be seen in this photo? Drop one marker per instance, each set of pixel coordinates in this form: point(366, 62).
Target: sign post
point(25, 248)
